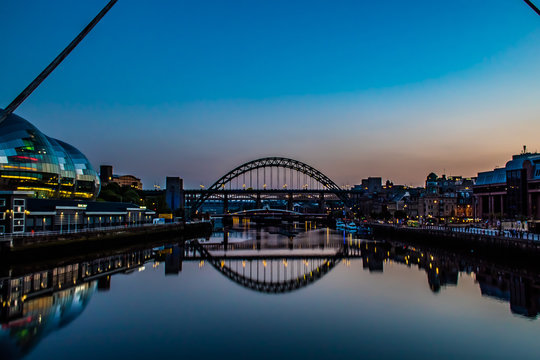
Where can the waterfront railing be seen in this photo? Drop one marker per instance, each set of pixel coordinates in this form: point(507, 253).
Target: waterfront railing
point(26, 234)
point(510, 234)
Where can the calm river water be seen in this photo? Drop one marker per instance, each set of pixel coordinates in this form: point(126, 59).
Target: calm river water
point(252, 293)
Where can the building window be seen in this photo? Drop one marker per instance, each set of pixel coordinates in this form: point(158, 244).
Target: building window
point(2, 202)
point(2, 229)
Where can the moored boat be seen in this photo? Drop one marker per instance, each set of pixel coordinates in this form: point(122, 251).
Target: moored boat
point(352, 226)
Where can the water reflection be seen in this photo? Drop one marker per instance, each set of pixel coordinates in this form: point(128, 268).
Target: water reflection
point(272, 272)
point(37, 303)
point(40, 316)
point(277, 260)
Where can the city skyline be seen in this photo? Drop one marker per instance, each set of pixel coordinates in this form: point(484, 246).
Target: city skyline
point(348, 98)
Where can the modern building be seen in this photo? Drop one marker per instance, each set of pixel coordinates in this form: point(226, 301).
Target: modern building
point(106, 175)
point(49, 168)
point(174, 193)
point(512, 192)
point(49, 185)
point(372, 184)
point(13, 211)
point(20, 213)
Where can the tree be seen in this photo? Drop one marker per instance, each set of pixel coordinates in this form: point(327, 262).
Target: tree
point(116, 193)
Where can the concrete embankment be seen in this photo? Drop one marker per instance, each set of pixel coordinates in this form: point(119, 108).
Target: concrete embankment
point(458, 240)
point(96, 241)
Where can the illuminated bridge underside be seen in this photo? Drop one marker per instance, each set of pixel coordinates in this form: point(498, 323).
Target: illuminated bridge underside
point(311, 272)
point(271, 162)
point(265, 212)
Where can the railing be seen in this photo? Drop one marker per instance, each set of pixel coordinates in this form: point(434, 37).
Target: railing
point(510, 234)
point(9, 237)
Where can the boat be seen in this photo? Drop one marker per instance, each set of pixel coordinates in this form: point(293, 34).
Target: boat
point(364, 230)
point(352, 226)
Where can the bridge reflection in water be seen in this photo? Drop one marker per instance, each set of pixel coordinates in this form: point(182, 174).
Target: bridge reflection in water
point(39, 301)
point(275, 273)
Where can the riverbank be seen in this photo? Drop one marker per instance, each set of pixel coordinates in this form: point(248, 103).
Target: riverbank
point(77, 243)
point(459, 239)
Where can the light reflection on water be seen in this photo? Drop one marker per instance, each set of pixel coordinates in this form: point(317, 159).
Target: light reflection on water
point(272, 292)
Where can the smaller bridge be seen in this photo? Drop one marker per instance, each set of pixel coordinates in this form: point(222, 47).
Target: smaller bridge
point(265, 211)
point(267, 215)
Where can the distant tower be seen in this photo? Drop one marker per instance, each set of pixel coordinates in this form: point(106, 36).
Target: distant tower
point(105, 173)
point(432, 186)
point(174, 193)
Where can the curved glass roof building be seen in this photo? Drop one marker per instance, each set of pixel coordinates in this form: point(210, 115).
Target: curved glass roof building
point(32, 161)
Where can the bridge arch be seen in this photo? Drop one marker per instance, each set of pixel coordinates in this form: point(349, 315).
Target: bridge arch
point(271, 162)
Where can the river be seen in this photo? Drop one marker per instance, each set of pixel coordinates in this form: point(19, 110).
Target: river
point(272, 292)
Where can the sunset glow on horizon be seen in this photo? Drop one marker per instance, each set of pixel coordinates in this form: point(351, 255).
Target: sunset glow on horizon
point(354, 89)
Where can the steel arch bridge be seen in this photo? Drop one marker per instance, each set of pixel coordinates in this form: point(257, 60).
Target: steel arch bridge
point(271, 162)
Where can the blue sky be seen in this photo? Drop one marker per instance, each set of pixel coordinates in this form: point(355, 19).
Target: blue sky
point(355, 88)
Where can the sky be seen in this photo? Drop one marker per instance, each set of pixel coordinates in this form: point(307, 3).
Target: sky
point(395, 89)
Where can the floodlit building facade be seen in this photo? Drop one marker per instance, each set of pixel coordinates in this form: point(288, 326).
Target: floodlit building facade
point(512, 192)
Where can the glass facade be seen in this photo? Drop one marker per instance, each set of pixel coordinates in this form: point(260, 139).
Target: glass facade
point(31, 161)
point(516, 194)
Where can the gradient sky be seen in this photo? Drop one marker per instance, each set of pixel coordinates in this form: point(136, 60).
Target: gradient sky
point(395, 89)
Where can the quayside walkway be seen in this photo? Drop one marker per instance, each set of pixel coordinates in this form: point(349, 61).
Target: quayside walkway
point(109, 235)
point(510, 234)
point(520, 240)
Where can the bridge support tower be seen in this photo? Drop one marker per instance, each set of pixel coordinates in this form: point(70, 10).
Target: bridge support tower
point(290, 204)
point(259, 203)
point(322, 204)
point(225, 203)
